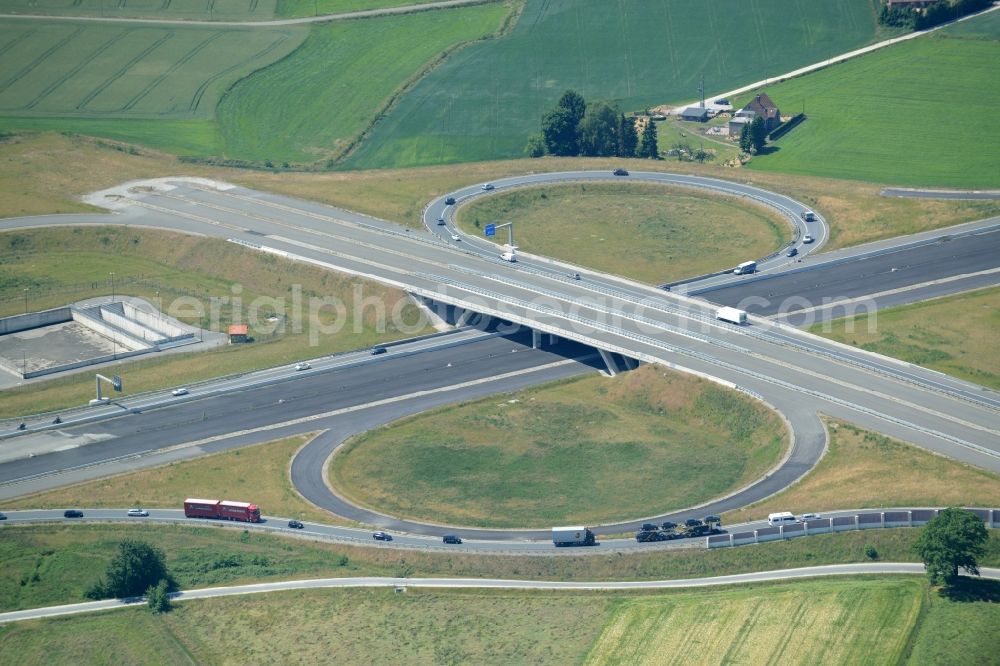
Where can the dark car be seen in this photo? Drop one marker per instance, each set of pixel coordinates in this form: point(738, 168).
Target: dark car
point(712, 519)
point(450, 201)
point(649, 527)
point(72, 513)
point(667, 525)
point(3, 516)
point(792, 251)
point(382, 536)
point(648, 537)
point(692, 522)
point(451, 538)
point(379, 350)
point(295, 525)
point(620, 172)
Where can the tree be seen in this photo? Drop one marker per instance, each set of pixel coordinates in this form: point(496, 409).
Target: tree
point(599, 130)
point(627, 137)
point(135, 568)
point(157, 597)
point(573, 102)
point(746, 143)
point(536, 146)
point(758, 134)
point(559, 132)
point(953, 539)
point(648, 147)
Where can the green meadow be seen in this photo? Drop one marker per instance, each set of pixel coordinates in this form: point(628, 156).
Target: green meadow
point(917, 113)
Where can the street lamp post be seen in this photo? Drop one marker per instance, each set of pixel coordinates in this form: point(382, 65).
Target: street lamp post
point(112, 286)
point(25, 300)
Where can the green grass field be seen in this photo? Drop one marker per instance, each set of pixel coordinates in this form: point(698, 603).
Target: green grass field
point(955, 334)
point(325, 93)
point(485, 101)
point(837, 622)
point(216, 10)
point(298, 8)
point(645, 232)
point(157, 265)
point(562, 453)
point(914, 114)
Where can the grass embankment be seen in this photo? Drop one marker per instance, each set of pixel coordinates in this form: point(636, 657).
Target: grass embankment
point(649, 233)
point(863, 469)
point(562, 453)
point(300, 8)
point(871, 620)
point(258, 473)
point(876, 119)
point(954, 334)
point(179, 270)
point(222, 10)
point(55, 563)
point(325, 93)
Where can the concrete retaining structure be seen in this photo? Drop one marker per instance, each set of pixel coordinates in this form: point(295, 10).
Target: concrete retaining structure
point(859, 521)
point(31, 320)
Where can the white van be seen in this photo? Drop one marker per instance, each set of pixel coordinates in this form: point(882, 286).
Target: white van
point(780, 518)
point(746, 268)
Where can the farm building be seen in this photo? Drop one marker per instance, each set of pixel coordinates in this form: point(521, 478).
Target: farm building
point(761, 105)
point(695, 113)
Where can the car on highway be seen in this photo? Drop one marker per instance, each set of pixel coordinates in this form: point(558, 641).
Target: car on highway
point(809, 516)
point(72, 513)
point(137, 513)
point(456, 237)
point(302, 366)
point(451, 538)
point(295, 524)
point(692, 522)
point(649, 527)
point(619, 172)
point(179, 391)
point(450, 201)
point(379, 350)
point(792, 251)
point(668, 525)
point(3, 516)
point(441, 220)
point(488, 186)
point(382, 536)
point(808, 216)
point(807, 239)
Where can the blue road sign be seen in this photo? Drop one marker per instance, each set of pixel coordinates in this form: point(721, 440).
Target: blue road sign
point(491, 230)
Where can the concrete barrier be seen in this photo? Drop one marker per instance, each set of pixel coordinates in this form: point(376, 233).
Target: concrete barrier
point(31, 320)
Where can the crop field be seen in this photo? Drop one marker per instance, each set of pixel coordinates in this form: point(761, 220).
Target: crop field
point(650, 233)
point(89, 77)
point(484, 102)
point(325, 93)
point(202, 10)
point(300, 8)
point(562, 453)
point(821, 622)
point(917, 113)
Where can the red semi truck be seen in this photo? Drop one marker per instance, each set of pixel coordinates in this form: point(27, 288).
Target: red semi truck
point(224, 509)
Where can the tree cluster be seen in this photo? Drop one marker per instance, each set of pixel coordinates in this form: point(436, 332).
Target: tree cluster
point(753, 136)
point(598, 129)
point(940, 12)
point(137, 569)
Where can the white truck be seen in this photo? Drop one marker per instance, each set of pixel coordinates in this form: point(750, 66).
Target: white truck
point(732, 315)
point(573, 536)
point(746, 268)
point(509, 253)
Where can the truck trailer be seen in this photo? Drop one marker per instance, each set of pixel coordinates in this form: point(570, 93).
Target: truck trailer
point(223, 510)
point(732, 315)
point(573, 536)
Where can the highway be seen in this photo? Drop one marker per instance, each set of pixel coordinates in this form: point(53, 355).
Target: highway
point(798, 374)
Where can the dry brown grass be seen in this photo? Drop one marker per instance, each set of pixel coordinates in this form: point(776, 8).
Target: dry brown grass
point(865, 470)
point(257, 474)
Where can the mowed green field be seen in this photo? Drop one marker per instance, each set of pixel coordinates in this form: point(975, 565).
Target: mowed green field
point(484, 102)
point(590, 450)
point(918, 113)
point(646, 232)
point(204, 10)
point(300, 8)
point(309, 105)
point(113, 80)
point(828, 622)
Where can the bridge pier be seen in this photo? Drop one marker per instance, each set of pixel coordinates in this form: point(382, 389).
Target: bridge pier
point(610, 362)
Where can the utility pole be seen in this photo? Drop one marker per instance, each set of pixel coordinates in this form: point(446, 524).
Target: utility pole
point(25, 300)
point(112, 286)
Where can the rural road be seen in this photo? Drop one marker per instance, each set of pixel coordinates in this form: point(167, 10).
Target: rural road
point(873, 568)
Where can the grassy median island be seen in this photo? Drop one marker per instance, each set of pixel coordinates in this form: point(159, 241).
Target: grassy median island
point(590, 450)
point(864, 469)
point(65, 264)
point(651, 233)
point(956, 334)
point(846, 621)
